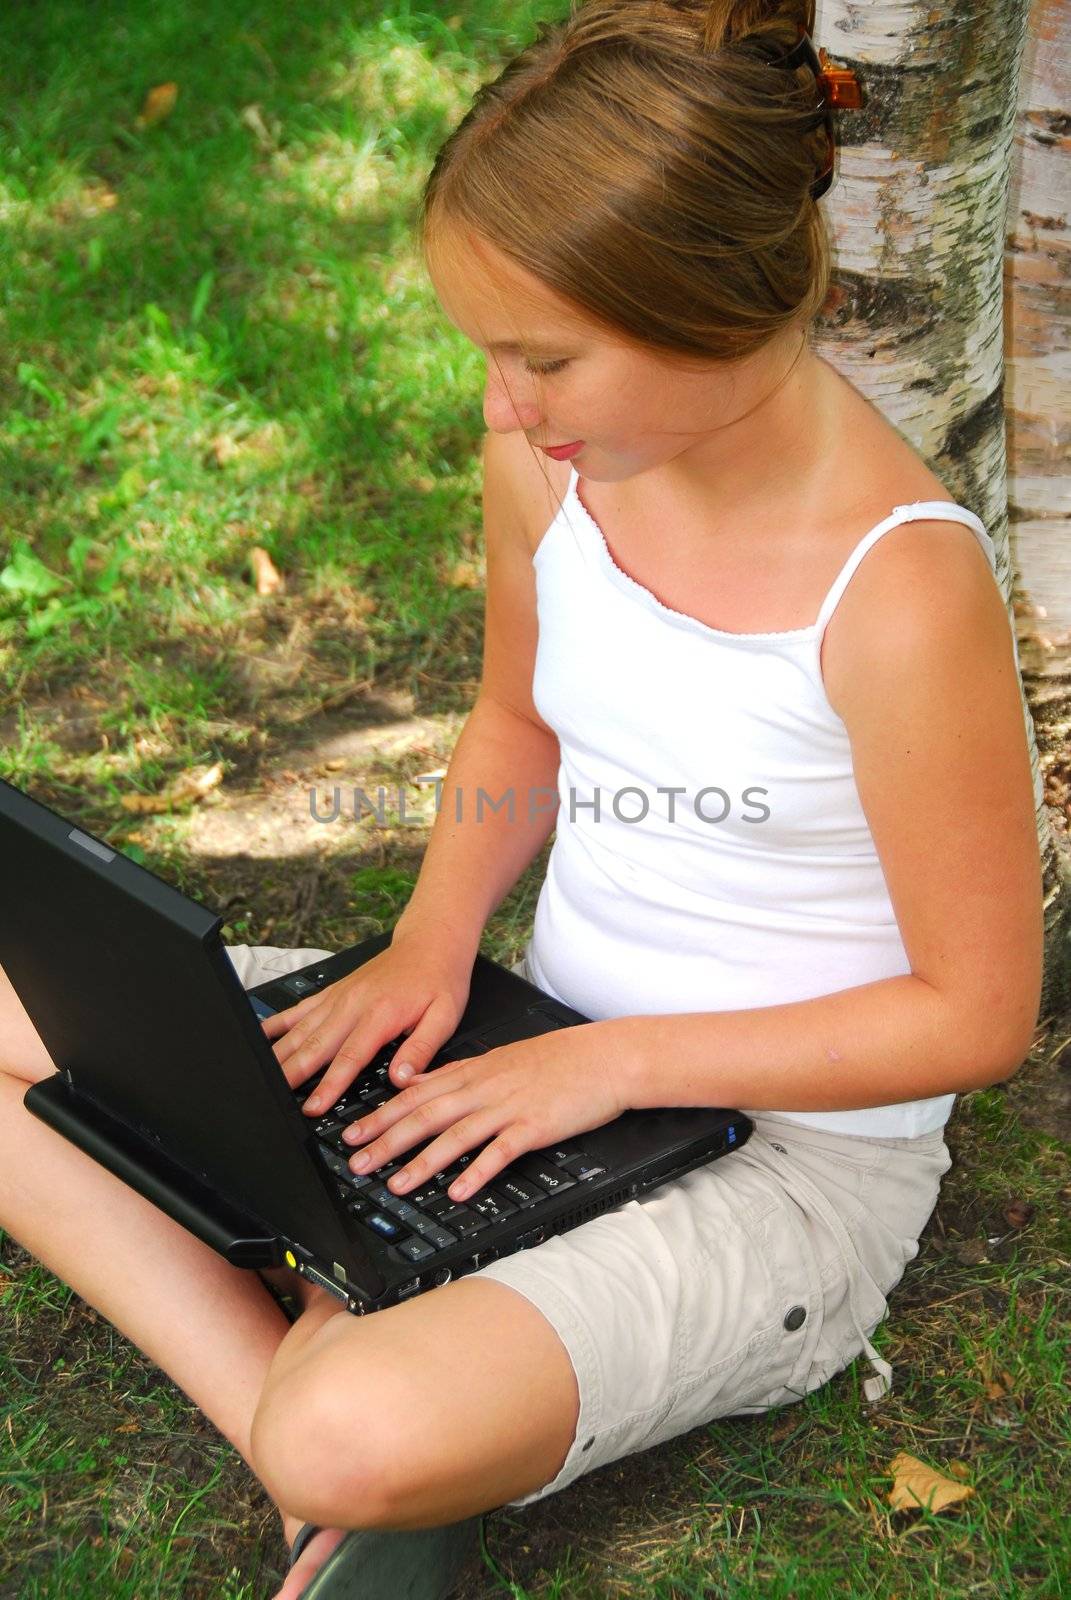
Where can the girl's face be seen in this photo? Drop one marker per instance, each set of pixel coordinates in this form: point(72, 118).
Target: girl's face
point(559, 377)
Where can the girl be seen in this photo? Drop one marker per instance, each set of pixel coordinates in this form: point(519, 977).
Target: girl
point(759, 655)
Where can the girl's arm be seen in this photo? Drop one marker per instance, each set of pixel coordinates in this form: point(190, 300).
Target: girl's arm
point(476, 852)
point(935, 717)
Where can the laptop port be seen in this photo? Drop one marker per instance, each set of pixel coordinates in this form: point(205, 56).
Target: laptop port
point(443, 1275)
point(325, 1282)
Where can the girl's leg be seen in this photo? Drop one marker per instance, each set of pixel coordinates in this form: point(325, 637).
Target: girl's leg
point(419, 1415)
point(212, 1327)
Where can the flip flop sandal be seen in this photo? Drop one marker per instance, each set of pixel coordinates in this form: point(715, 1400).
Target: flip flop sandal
point(391, 1564)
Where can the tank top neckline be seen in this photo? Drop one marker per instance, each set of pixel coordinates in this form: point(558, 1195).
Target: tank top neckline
point(646, 597)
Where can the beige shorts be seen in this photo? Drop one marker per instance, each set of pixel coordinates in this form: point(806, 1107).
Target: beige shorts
point(741, 1286)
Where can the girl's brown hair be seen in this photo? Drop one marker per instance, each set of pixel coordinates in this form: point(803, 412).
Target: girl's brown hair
point(645, 160)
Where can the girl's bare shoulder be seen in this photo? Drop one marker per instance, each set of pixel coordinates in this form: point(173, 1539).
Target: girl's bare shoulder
point(537, 485)
point(915, 561)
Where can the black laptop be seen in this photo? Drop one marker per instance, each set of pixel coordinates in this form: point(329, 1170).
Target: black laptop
point(167, 1079)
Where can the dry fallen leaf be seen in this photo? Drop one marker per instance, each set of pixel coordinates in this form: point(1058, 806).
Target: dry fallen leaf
point(464, 575)
point(915, 1484)
point(129, 1427)
point(139, 836)
point(253, 120)
point(224, 449)
point(159, 103)
point(188, 786)
point(265, 575)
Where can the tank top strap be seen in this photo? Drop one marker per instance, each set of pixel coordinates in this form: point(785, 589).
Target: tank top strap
point(917, 511)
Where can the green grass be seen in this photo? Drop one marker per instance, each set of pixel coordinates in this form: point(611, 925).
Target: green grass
point(111, 1485)
point(218, 335)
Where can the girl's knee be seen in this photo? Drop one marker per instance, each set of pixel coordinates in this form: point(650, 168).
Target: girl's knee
point(315, 1453)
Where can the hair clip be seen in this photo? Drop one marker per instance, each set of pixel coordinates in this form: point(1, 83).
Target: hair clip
point(840, 87)
point(839, 90)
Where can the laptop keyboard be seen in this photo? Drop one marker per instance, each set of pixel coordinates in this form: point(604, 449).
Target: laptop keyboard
point(423, 1222)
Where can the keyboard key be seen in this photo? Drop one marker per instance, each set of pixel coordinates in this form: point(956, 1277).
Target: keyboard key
point(340, 1167)
point(371, 1101)
point(544, 1173)
point(416, 1249)
point(492, 1205)
point(560, 1153)
point(346, 1111)
point(327, 1127)
point(461, 1220)
point(429, 1229)
point(448, 1174)
point(519, 1190)
point(582, 1169)
point(402, 1210)
point(435, 1203)
point(386, 1227)
point(336, 1141)
point(300, 985)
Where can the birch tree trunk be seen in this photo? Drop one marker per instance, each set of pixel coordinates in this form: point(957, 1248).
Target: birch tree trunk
point(1037, 394)
point(915, 317)
point(1037, 344)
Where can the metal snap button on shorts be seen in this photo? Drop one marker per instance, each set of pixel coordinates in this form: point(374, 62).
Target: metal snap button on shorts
point(741, 1286)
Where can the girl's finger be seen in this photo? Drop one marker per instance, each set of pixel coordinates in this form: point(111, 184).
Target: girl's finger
point(489, 1163)
point(404, 1106)
point(281, 1022)
point(456, 1140)
point(318, 1031)
point(427, 1036)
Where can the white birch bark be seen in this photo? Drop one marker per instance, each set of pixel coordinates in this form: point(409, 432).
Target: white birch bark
point(1037, 316)
point(916, 316)
point(1037, 391)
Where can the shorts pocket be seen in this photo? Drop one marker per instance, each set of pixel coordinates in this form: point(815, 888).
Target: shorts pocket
point(747, 1381)
point(759, 1352)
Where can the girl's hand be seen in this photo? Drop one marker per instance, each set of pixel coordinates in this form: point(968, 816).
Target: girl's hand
point(410, 988)
point(519, 1097)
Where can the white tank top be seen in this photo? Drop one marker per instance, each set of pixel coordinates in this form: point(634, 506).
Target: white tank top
point(757, 883)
